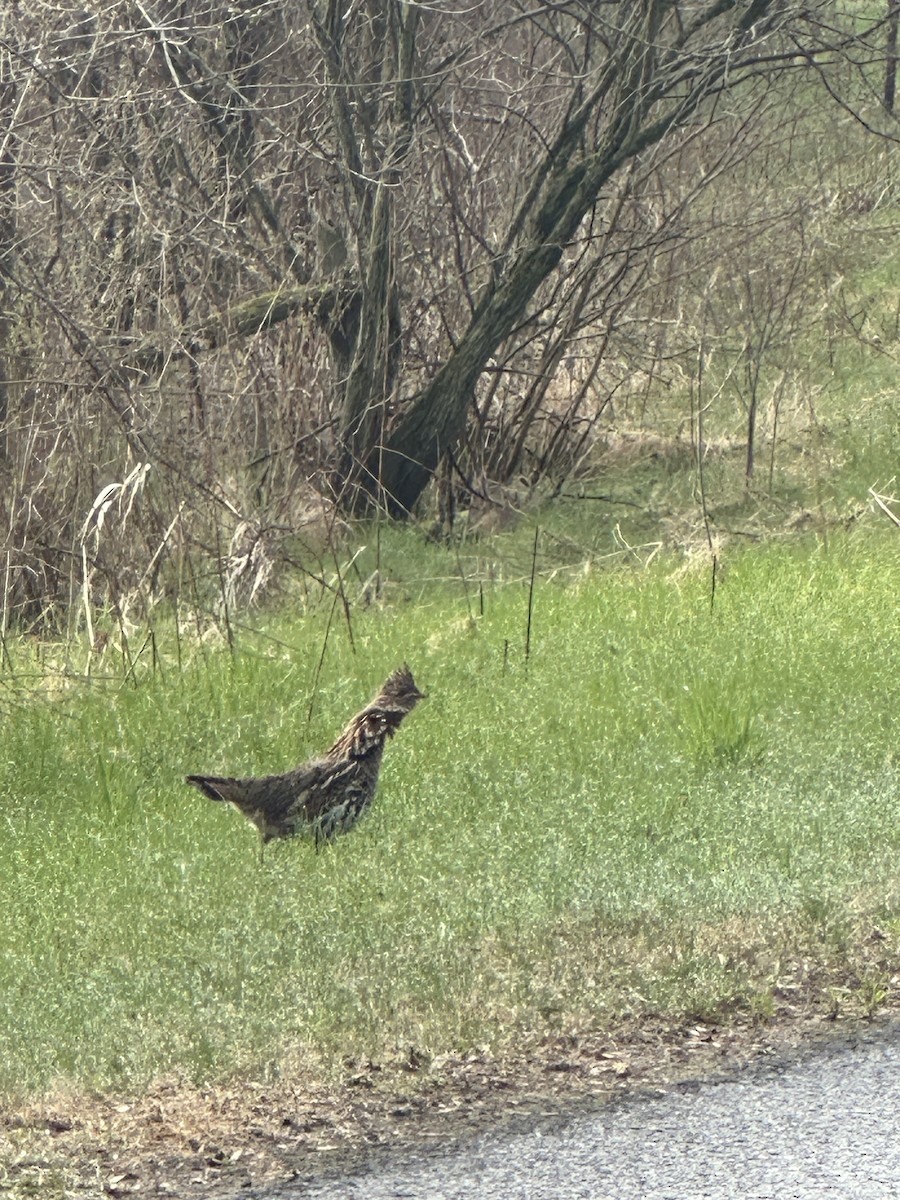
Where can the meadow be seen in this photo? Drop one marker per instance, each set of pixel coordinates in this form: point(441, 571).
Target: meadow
point(669, 808)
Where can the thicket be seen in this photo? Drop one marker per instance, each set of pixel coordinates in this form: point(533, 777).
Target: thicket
point(266, 266)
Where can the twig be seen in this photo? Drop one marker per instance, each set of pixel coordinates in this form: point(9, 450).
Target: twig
point(125, 650)
point(882, 504)
point(175, 612)
point(133, 662)
point(223, 590)
point(7, 661)
point(162, 545)
point(341, 592)
point(601, 497)
point(315, 684)
point(86, 595)
point(701, 479)
point(465, 584)
point(537, 534)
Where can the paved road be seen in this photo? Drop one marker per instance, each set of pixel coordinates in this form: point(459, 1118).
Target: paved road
point(821, 1128)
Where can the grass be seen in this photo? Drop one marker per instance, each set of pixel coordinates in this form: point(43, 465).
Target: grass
point(668, 810)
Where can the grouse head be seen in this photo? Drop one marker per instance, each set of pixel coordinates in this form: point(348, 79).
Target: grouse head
point(364, 737)
point(399, 693)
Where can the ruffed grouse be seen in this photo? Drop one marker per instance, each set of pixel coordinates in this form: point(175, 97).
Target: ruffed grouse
point(326, 795)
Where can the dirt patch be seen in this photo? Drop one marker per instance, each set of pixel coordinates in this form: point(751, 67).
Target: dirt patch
point(181, 1141)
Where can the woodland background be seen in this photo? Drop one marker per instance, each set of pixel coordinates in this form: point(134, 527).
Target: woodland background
point(266, 267)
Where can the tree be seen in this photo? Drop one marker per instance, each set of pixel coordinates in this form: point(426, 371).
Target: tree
point(258, 245)
point(632, 73)
point(7, 225)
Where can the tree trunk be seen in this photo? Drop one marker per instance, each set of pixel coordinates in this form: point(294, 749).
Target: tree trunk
point(565, 188)
point(368, 381)
point(380, 64)
point(8, 223)
point(890, 64)
point(400, 470)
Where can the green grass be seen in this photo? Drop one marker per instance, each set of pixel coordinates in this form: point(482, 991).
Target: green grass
point(665, 810)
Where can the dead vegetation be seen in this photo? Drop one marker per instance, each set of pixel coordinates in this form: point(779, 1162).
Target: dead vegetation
point(181, 1140)
point(220, 312)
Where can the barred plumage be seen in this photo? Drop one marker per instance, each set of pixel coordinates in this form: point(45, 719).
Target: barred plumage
point(326, 795)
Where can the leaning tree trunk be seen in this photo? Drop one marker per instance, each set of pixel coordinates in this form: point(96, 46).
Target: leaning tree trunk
point(436, 418)
point(647, 89)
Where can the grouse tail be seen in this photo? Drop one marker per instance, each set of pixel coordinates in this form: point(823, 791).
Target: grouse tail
point(215, 787)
